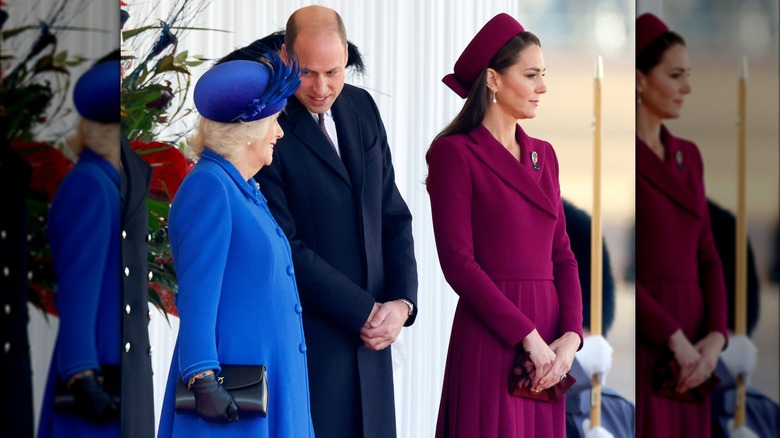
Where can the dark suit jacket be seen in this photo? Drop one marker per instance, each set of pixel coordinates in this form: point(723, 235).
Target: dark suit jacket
point(351, 238)
point(137, 389)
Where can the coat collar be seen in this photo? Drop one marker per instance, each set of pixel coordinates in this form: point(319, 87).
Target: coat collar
point(141, 173)
point(307, 131)
point(519, 175)
point(250, 188)
point(665, 174)
point(87, 155)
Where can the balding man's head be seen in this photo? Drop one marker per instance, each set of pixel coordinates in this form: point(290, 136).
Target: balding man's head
point(314, 20)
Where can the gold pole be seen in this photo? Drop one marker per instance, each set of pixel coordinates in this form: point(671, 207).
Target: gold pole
point(740, 296)
point(595, 239)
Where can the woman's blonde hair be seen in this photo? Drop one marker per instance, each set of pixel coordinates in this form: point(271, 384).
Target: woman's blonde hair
point(100, 138)
point(227, 139)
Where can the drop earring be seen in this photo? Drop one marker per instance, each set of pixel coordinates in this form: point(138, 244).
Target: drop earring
point(494, 96)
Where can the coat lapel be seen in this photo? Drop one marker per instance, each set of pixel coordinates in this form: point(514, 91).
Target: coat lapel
point(136, 166)
point(519, 175)
point(307, 131)
point(665, 175)
point(350, 142)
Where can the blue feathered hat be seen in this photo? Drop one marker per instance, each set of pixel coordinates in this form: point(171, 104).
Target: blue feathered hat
point(96, 94)
point(245, 91)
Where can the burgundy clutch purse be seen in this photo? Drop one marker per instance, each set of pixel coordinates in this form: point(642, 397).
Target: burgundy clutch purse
point(666, 372)
point(520, 381)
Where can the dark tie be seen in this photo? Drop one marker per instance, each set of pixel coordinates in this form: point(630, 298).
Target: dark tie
point(321, 123)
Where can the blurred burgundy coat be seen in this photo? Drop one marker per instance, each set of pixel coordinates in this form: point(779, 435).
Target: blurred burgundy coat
point(501, 238)
point(679, 277)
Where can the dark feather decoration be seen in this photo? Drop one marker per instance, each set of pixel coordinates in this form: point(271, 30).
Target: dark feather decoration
point(256, 50)
point(355, 59)
point(166, 39)
point(45, 38)
point(284, 79)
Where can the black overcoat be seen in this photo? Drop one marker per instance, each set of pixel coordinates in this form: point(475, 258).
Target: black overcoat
point(351, 237)
point(137, 387)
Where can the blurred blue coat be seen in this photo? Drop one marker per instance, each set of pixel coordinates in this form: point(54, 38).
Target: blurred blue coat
point(617, 412)
point(237, 300)
point(84, 239)
point(762, 414)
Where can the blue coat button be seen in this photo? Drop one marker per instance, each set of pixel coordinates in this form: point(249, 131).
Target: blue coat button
point(279, 232)
point(298, 309)
point(290, 271)
point(302, 347)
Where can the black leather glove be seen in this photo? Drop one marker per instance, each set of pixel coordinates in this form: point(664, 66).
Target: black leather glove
point(212, 401)
point(93, 403)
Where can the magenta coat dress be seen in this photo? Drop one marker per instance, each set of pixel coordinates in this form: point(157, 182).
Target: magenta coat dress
point(502, 244)
point(679, 278)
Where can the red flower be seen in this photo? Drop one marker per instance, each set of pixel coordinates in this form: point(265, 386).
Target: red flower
point(44, 298)
point(49, 165)
point(166, 297)
point(169, 167)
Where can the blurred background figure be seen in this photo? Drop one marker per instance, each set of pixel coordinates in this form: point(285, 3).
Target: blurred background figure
point(595, 357)
point(83, 393)
point(718, 34)
point(46, 45)
point(681, 296)
point(16, 407)
point(762, 414)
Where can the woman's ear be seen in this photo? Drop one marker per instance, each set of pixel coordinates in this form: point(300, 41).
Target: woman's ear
point(493, 79)
point(641, 81)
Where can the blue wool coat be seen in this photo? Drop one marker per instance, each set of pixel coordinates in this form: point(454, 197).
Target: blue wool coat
point(84, 239)
point(237, 300)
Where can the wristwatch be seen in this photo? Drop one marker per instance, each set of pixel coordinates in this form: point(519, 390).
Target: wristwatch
point(408, 303)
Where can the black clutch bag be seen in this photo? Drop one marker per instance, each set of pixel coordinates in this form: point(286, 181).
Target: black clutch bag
point(109, 378)
point(248, 384)
point(520, 381)
point(666, 373)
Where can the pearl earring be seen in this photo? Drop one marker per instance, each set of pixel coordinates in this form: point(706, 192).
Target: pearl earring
point(494, 96)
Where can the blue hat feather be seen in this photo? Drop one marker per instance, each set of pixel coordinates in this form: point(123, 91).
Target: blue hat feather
point(246, 90)
point(96, 94)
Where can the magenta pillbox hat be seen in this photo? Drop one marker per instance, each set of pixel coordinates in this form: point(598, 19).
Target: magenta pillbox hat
point(648, 28)
point(485, 44)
